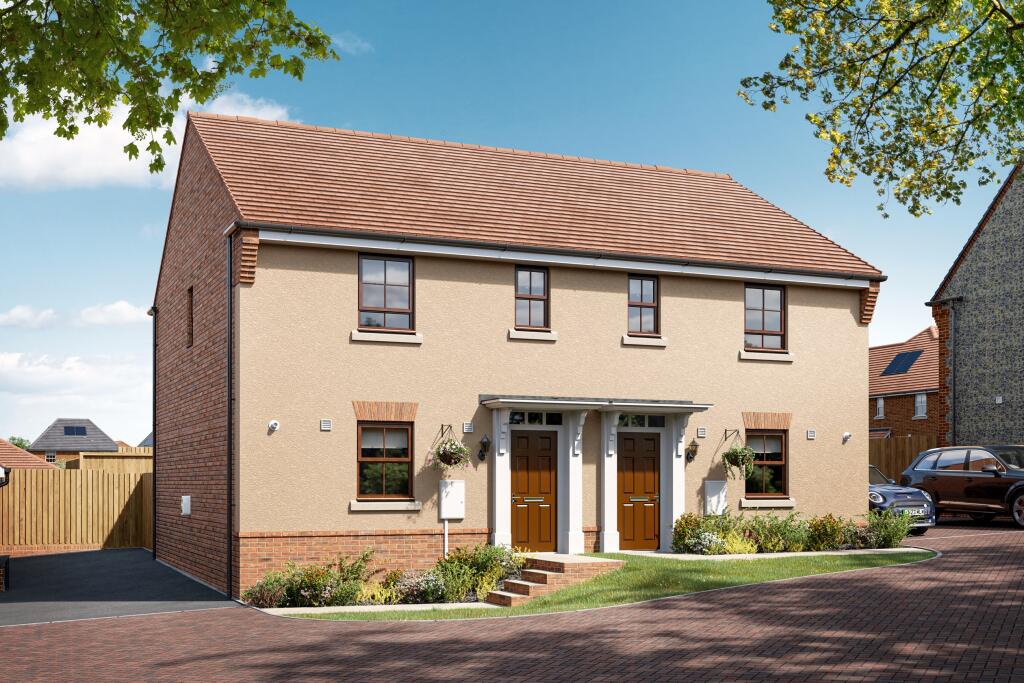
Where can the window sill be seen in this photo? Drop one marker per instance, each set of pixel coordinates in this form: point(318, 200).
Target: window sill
point(879, 417)
point(767, 503)
point(919, 417)
point(532, 335)
point(387, 337)
point(782, 357)
point(385, 505)
point(660, 342)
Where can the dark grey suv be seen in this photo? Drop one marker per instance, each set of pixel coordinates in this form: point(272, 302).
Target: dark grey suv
point(981, 481)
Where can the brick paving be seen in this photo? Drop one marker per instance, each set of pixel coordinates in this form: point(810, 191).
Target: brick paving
point(959, 617)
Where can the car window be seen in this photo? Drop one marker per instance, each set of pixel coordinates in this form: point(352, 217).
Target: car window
point(875, 476)
point(977, 460)
point(951, 461)
point(928, 462)
point(1012, 456)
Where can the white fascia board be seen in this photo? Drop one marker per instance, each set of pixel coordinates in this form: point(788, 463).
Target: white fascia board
point(549, 259)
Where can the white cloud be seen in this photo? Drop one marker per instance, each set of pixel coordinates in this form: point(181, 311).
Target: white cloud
point(117, 313)
point(35, 389)
point(26, 316)
point(351, 44)
point(34, 158)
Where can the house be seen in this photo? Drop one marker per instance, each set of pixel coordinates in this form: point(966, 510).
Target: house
point(904, 385)
point(14, 458)
point(147, 442)
point(330, 303)
point(978, 313)
point(66, 438)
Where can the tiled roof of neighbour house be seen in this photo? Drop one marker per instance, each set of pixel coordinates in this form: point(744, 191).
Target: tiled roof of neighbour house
point(54, 437)
point(147, 442)
point(886, 365)
point(15, 458)
point(294, 175)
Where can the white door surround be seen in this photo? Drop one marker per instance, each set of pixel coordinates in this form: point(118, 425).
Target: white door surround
point(570, 464)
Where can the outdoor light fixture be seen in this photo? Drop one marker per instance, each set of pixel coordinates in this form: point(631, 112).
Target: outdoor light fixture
point(485, 445)
point(847, 436)
point(691, 450)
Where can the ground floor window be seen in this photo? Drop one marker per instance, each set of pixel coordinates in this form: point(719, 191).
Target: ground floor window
point(920, 405)
point(385, 460)
point(768, 477)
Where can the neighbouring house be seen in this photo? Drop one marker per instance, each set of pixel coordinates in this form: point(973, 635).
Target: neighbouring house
point(147, 442)
point(979, 316)
point(65, 439)
point(903, 387)
point(14, 458)
point(330, 303)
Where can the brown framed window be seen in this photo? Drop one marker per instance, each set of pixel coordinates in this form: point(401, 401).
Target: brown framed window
point(190, 327)
point(769, 477)
point(532, 299)
point(384, 460)
point(764, 318)
point(643, 306)
point(385, 293)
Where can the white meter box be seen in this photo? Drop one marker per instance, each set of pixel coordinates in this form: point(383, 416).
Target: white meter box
point(452, 496)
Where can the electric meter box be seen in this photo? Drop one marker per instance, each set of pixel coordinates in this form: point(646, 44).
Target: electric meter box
point(452, 496)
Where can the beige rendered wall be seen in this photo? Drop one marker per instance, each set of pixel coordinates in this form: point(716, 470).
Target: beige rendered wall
point(296, 364)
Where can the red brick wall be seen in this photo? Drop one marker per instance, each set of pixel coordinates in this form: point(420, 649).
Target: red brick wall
point(899, 415)
point(940, 315)
point(191, 406)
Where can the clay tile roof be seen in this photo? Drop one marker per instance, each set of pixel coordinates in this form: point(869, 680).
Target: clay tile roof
point(15, 458)
point(313, 177)
point(923, 375)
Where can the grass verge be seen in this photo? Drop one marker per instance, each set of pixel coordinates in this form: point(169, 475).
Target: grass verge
point(646, 578)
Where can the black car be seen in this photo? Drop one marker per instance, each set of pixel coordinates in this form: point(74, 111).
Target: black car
point(885, 494)
point(981, 481)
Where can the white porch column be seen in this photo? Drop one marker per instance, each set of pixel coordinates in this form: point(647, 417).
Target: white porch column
point(571, 486)
point(501, 479)
point(673, 477)
point(609, 482)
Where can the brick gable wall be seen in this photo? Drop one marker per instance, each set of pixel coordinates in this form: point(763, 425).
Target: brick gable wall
point(899, 415)
point(191, 406)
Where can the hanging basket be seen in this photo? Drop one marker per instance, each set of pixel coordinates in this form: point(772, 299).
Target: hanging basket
point(448, 452)
point(739, 462)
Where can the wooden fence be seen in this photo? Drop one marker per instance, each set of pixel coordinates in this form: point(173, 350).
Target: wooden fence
point(59, 510)
point(894, 454)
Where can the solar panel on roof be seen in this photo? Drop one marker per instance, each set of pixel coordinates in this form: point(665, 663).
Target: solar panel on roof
point(901, 363)
point(74, 431)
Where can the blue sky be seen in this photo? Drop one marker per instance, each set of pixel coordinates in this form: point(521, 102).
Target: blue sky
point(81, 229)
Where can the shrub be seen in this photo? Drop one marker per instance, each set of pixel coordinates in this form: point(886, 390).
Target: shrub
point(829, 532)
point(482, 559)
point(337, 583)
point(458, 579)
point(738, 544)
point(685, 528)
point(722, 525)
point(778, 534)
point(268, 592)
point(886, 529)
point(487, 582)
point(420, 587)
point(706, 543)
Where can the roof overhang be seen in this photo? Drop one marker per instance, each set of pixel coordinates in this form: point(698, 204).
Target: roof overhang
point(623, 405)
point(417, 245)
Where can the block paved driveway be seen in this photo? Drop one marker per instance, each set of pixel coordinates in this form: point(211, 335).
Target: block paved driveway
point(959, 617)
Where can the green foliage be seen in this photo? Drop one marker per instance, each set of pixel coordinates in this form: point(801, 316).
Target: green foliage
point(774, 534)
point(829, 532)
point(488, 581)
point(268, 592)
point(706, 542)
point(338, 583)
point(727, 534)
point(458, 580)
point(739, 462)
point(685, 528)
point(888, 528)
point(482, 558)
point(915, 95)
point(738, 544)
point(19, 441)
point(73, 62)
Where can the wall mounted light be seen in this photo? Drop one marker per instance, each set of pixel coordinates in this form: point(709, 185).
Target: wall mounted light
point(485, 445)
point(691, 450)
point(846, 437)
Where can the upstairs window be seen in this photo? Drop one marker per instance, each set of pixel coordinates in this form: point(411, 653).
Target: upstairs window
point(920, 405)
point(879, 408)
point(385, 294)
point(643, 306)
point(532, 299)
point(764, 323)
point(385, 460)
point(51, 456)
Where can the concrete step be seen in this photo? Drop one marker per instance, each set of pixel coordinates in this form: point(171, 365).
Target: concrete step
point(545, 577)
point(506, 599)
point(529, 588)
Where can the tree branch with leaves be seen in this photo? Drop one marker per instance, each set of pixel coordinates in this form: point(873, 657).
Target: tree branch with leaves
point(74, 61)
point(916, 95)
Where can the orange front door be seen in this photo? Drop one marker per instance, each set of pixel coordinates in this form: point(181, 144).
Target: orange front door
point(639, 489)
point(534, 503)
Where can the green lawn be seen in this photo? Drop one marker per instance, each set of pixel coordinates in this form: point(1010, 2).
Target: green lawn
point(646, 578)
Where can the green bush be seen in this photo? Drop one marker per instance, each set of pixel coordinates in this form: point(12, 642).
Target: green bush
point(829, 532)
point(706, 543)
point(482, 559)
point(487, 582)
point(684, 529)
point(738, 544)
point(337, 583)
point(458, 579)
point(774, 534)
point(268, 592)
point(888, 528)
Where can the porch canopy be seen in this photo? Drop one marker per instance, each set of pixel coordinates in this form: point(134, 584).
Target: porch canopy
point(570, 449)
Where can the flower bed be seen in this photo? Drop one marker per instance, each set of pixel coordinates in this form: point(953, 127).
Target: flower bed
point(467, 574)
point(734, 535)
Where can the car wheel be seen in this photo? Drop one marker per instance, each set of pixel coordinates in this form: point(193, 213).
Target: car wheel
point(918, 532)
point(982, 516)
point(1017, 509)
